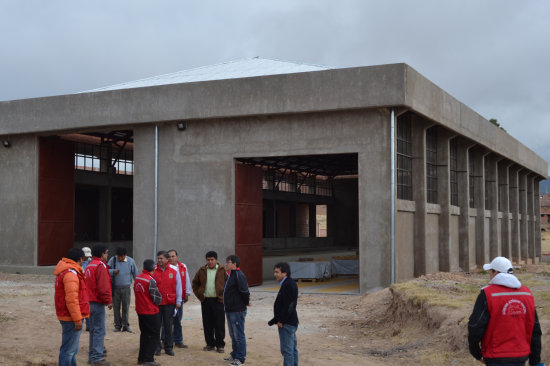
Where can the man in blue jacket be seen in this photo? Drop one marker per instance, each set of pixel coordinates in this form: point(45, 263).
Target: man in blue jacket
point(285, 315)
point(236, 298)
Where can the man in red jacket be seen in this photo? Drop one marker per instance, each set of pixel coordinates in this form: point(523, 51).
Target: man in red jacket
point(148, 298)
point(504, 320)
point(169, 285)
point(98, 282)
point(71, 304)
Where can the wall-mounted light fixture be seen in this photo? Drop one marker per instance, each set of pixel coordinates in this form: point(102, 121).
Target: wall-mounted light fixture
point(6, 143)
point(182, 126)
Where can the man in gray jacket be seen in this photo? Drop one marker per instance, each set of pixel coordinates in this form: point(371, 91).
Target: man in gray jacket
point(123, 271)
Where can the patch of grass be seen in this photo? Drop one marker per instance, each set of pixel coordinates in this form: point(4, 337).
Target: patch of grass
point(5, 317)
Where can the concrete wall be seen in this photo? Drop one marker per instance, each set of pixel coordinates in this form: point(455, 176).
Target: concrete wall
point(196, 180)
point(19, 201)
point(404, 241)
point(432, 239)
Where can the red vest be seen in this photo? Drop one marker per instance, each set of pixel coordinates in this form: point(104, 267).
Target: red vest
point(61, 305)
point(183, 272)
point(144, 303)
point(510, 328)
point(95, 283)
point(166, 283)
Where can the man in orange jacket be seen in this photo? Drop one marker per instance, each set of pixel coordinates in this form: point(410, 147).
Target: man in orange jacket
point(98, 282)
point(71, 304)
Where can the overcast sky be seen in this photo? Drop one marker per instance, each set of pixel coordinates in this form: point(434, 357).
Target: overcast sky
point(493, 55)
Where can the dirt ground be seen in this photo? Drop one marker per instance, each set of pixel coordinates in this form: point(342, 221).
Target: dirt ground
point(423, 322)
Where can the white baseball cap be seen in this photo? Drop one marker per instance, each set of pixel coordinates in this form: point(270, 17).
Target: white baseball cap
point(500, 264)
point(87, 252)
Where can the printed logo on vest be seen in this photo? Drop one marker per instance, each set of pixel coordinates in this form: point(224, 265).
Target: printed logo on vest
point(170, 275)
point(514, 307)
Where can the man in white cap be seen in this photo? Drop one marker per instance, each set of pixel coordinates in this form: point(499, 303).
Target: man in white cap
point(504, 320)
point(87, 258)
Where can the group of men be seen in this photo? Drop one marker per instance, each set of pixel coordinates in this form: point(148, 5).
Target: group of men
point(160, 290)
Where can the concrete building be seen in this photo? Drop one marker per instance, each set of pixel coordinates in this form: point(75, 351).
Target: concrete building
point(270, 160)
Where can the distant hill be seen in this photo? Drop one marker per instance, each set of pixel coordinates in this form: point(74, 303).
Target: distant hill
point(545, 186)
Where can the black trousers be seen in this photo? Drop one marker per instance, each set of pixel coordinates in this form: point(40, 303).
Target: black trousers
point(213, 322)
point(149, 325)
point(167, 318)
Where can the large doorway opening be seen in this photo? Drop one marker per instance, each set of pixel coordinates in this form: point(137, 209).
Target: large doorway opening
point(309, 209)
point(85, 192)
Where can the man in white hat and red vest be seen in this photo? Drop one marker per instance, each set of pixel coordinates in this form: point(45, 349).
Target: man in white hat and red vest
point(504, 320)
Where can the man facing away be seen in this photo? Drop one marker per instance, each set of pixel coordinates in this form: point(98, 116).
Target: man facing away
point(98, 282)
point(169, 285)
point(71, 304)
point(208, 285)
point(236, 298)
point(285, 315)
point(148, 298)
point(123, 271)
point(186, 291)
point(504, 320)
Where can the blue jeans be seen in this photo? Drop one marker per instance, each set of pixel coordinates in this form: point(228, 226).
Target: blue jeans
point(70, 340)
point(235, 325)
point(97, 331)
point(289, 345)
point(178, 336)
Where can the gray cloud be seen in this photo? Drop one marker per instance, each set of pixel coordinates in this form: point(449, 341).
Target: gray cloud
point(492, 55)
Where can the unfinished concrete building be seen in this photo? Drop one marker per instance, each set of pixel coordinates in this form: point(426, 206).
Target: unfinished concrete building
point(271, 160)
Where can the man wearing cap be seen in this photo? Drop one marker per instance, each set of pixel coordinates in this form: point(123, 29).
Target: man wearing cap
point(504, 320)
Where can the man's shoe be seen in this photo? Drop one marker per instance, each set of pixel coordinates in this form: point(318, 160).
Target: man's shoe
point(152, 363)
point(181, 345)
point(127, 329)
point(236, 363)
point(157, 352)
point(169, 352)
point(209, 348)
point(220, 350)
point(230, 358)
point(101, 363)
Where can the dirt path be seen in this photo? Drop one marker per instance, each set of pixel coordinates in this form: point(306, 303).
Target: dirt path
point(421, 322)
point(30, 333)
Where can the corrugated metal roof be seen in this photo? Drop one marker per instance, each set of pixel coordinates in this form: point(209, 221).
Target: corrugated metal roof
point(227, 70)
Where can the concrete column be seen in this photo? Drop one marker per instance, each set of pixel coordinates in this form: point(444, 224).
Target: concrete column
point(523, 235)
point(492, 203)
point(482, 248)
point(464, 204)
point(504, 200)
point(536, 196)
point(530, 219)
point(514, 212)
point(313, 220)
point(104, 220)
point(419, 127)
point(292, 218)
point(444, 198)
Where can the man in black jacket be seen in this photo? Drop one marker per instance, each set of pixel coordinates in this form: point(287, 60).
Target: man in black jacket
point(236, 298)
point(284, 313)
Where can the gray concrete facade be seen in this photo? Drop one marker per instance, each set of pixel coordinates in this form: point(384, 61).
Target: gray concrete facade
point(313, 113)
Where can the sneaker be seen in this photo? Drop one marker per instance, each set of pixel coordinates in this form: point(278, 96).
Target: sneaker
point(181, 345)
point(220, 350)
point(169, 352)
point(230, 358)
point(101, 363)
point(209, 348)
point(236, 363)
point(127, 329)
point(116, 330)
